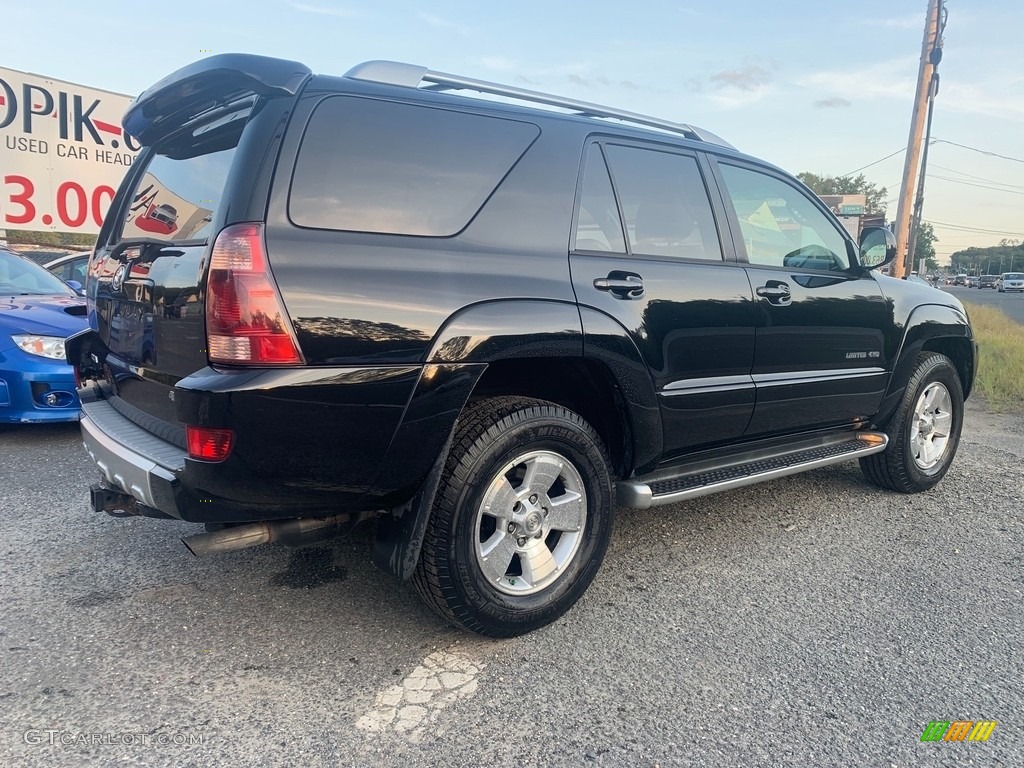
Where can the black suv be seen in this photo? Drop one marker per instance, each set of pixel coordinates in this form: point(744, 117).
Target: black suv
point(482, 323)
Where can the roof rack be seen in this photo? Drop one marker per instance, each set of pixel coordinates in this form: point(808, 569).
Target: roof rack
point(412, 75)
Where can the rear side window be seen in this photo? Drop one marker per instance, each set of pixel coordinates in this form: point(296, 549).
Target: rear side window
point(664, 203)
point(376, 166)
point(181, 189)
point(598, 227)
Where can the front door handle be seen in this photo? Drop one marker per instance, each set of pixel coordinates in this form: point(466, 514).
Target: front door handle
point(622, 285)
point(776, 291)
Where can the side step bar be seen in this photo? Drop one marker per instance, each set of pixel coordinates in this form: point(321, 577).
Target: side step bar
point(688, 481)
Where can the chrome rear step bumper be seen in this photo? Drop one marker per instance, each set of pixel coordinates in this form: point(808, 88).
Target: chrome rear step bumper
point(131, 459)
point(688, 481)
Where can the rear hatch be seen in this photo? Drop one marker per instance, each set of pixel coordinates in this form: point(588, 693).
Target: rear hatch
point(146, 289)
point(146, 284)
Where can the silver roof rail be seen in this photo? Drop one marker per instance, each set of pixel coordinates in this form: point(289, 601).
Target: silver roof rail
point(412, 75)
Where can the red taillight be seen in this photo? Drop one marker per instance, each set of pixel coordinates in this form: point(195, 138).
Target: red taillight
point(246, 323)
point(208, 443)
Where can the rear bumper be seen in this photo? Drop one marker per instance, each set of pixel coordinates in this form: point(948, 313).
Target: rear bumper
point(132, 460)
point(308, 442)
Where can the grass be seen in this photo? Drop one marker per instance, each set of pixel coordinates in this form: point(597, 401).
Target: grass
point(1000, 377)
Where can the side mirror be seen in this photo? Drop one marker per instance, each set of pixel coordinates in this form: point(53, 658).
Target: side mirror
point(877, 247)
point(76, 286)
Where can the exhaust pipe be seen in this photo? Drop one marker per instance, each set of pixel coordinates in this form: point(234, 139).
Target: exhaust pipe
point(291, 533)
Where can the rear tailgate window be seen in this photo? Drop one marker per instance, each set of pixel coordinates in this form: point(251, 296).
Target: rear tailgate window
point(177, 196)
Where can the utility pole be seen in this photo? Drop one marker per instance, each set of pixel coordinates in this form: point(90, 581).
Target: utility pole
point(900, 266)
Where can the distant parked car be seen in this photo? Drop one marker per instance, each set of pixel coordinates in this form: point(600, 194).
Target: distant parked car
point(37, 313)
point(971, 281)
point(960, 280)
point(988, 281)
point(1011, 281)
point(71, 269)
point(919, 280)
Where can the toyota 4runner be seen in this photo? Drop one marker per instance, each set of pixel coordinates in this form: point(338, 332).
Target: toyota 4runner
point(485, 324)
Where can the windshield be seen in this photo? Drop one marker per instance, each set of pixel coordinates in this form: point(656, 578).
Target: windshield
point(21, 277)
point(1013, 276)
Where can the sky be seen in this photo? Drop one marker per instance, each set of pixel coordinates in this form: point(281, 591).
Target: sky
point(808, 85)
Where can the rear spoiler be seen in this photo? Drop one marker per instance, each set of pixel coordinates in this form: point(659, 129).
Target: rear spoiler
point(207, 84)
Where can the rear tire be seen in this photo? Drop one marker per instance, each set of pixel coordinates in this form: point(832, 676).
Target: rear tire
point(924, 432)
point(521, 520)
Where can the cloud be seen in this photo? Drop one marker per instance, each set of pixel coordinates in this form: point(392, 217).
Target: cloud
point(733, 98)
point(602, 81)
point(344, 13)
point(747, 78)
point(894, 79)
point(437, 21)
point(903, 22)
point(833, 102)
point(998, 95)
point(736, 87)
point(499, 64)
point(987, 99)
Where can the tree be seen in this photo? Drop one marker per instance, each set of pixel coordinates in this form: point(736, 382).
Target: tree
point(844, 185)
point(925, 247)
point(1005, 257)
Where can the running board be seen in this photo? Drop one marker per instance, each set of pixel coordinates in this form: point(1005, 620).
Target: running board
point(688, 481)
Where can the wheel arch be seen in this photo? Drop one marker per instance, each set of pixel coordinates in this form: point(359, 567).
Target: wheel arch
point(932, 328)
point(513, 347)
point(574, 356)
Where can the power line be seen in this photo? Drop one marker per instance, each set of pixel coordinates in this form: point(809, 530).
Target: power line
point(978, 178)
point(891, 154)
point(980, 151)
point(973, 184)
point(967, 228)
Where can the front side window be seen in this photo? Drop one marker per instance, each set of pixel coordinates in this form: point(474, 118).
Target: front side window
point(665, 204)
point(781, 226)
point(377, 166)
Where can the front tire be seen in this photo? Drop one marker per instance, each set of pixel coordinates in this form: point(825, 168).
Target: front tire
point(521, 520)
point(924, 432)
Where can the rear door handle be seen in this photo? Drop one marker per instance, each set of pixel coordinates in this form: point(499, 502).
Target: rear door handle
point(622, 285)
point(776, 291)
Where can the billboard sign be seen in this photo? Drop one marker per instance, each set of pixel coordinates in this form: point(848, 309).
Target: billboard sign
point(62, 153)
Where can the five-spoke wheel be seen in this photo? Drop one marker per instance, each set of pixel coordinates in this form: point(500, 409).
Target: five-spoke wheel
point(925, 430)
point(521, 519)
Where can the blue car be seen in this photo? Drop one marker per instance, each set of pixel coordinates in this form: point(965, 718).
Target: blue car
point(37, 313)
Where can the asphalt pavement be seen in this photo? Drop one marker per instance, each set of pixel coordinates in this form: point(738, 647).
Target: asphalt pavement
point(810, 621)
point(1010, 303)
